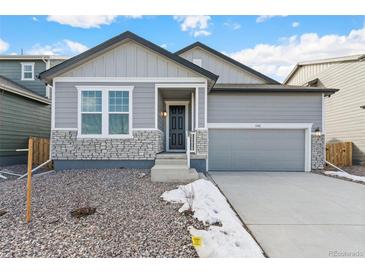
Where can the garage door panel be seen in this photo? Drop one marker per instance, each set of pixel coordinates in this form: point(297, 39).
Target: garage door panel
point(256, 149)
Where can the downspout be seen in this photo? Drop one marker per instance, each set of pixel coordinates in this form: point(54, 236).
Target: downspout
point(47, 61)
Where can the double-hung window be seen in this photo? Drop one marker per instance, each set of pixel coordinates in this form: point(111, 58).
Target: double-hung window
point(105, 112)
point(27, 71)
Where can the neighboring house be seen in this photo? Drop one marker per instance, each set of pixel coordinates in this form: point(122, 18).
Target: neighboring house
point(127, 100)
point(344, 111)
point(24, 103)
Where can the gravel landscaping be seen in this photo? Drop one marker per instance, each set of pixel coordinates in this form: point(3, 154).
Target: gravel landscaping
point(131, 220)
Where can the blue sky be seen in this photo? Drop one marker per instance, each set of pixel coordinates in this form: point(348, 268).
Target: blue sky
point(270, 44)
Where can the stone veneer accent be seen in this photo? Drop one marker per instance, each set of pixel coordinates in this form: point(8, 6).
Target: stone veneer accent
point(143, 146)
point(201, 144)
point(318, 152)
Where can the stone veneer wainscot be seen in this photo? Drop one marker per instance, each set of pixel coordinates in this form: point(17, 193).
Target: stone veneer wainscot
point(144, 145)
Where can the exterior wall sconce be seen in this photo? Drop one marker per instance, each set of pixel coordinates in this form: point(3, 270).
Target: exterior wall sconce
point(163, 114)
point(318, 133)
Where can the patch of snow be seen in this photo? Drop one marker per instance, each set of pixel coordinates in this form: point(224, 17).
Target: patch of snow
point(345, 175)
point(226, 237)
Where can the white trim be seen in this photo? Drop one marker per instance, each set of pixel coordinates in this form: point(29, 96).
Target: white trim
point(22, 71)
point(306, 126)
point(53, 102)
point(131, 79)
point(206, 108)
point(192, 111)
point(145, 128)
point(261, 125)
point(156, 106)
point(167, 124)
point(105, 112)
point(323, 115)
point(65, 128)
point(196, 108)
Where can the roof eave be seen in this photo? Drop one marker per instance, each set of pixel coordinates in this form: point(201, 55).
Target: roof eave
point(25, 94)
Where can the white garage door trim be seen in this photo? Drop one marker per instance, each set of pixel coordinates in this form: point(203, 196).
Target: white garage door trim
point(306, 126)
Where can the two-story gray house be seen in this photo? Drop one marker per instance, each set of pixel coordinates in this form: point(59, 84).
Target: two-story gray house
point(130, 103)
point(344, 113)
point(24, 103)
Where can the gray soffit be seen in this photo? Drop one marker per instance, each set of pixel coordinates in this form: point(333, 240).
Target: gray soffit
point(228, 59)
point(10, 86)
point(269, 88)
point(70, 63)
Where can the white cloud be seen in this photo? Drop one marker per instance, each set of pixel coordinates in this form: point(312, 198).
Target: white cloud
point(133, 16)
point(163, 46)
point(201, 33)
point(3, 46)
point(35, 19)
point(295, 24)
point(264, 18)
point(232, 25)
point(277, 60)
point(197, 25)
point(64, 47)
point(83, 21)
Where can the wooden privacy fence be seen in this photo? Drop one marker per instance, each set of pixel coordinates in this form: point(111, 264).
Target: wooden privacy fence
point(339, 154)
point(40, 151)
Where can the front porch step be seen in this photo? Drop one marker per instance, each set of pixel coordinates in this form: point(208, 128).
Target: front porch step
point(171, 156)
point(172, 168)
point(173, 174)
point(163, 161)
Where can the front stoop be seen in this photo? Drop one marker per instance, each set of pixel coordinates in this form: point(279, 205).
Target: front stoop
point(172, 168)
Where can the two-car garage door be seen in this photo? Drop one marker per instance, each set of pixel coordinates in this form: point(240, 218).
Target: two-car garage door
point(257, 149)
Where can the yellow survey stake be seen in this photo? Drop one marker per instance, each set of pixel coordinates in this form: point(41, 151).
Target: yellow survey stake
point(197, 241)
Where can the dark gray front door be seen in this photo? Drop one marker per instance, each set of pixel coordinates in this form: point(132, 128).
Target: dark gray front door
point(177, 127)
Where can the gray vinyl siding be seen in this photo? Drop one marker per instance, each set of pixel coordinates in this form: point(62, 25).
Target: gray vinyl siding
point(66, 103)
point(201, 107)
point(265, 108)
point(12, 70)
point(228, 73)
point(344, 119)
point(20, 118)
point(130, 60)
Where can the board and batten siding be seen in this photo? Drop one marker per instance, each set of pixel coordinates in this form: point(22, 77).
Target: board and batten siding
point(265, 108)
point(66, 103)
point(12, 69)
point(130, 59)
point(307, 73)
point(344, 119)
point(228, 73)
point(20, 118)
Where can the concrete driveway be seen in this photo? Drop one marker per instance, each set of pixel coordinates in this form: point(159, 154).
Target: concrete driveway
point(293, 214)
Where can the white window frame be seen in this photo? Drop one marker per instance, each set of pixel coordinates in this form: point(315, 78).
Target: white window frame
point(105, 111)
point(27, 64)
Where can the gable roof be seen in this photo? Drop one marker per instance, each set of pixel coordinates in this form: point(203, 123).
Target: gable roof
point(351, 58)
point(11, 86)
point(228, 59)
point(74, 61)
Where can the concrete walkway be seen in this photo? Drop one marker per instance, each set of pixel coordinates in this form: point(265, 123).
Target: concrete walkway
point(293, 214)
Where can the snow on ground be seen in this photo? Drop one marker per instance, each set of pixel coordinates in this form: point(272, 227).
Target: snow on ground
point(226, 237)
point(345, 175)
